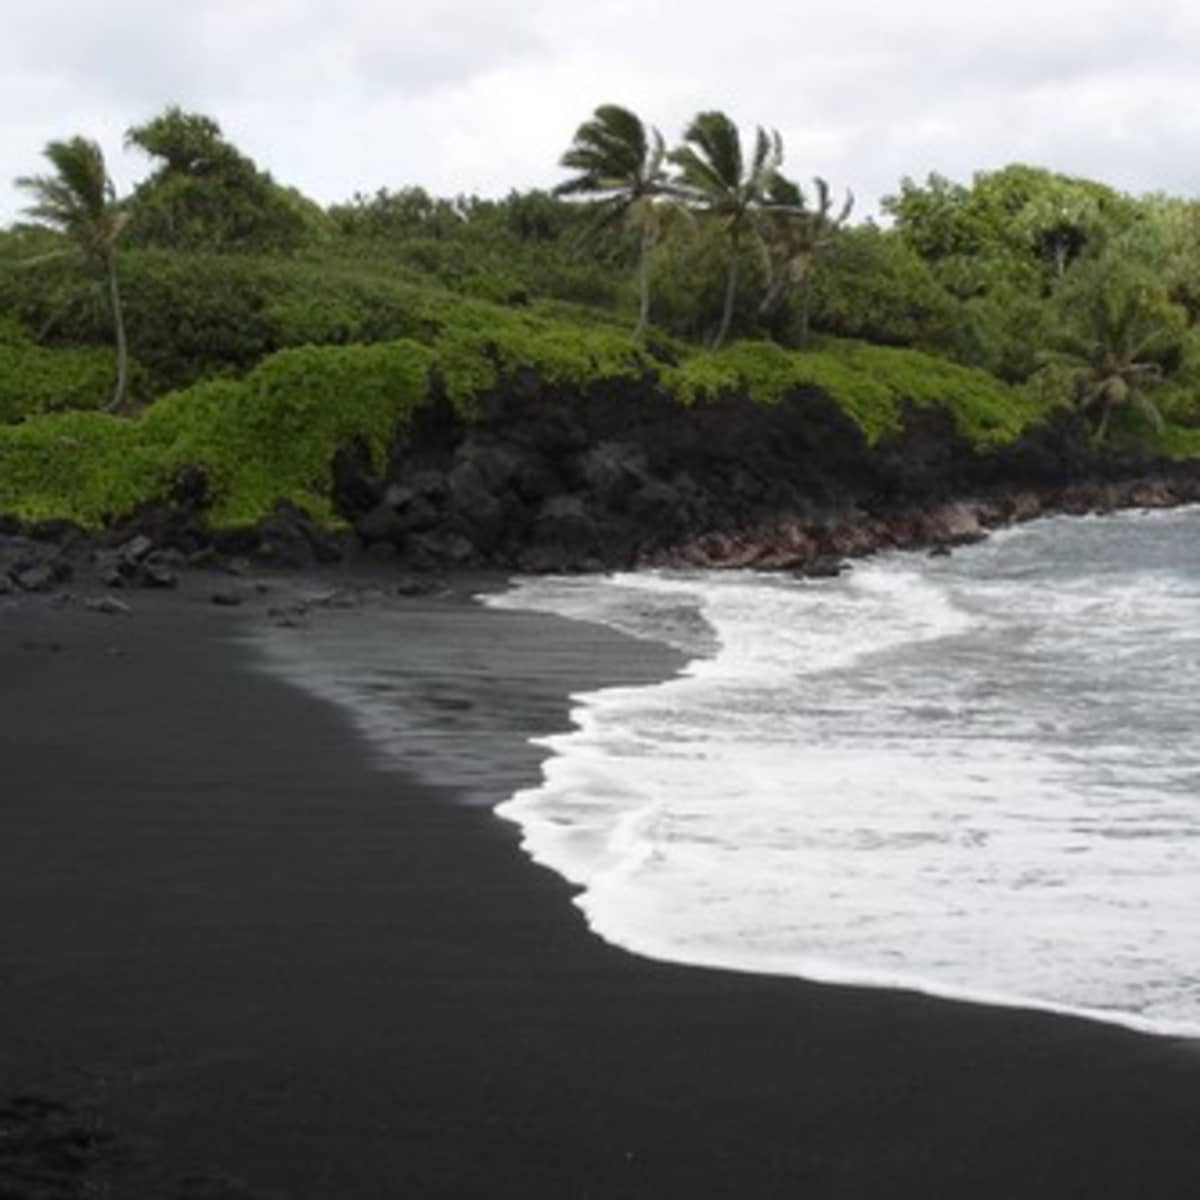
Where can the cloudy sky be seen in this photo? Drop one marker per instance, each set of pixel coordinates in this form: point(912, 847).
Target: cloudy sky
point(336, 96)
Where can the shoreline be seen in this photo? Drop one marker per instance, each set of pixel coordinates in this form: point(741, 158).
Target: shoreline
point(819, 549)
point(234, 943)
point(831, 972)
point(144, 555)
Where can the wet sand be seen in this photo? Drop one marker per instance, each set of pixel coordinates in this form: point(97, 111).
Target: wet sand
point(254, 959)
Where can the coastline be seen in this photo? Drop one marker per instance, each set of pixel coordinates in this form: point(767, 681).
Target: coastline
point(541, 831)
point(260, 961)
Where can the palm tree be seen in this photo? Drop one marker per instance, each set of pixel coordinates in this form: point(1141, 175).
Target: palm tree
point(793, 236)
point(80, 201)
point(1108, 356)
point(713, 175)
point(620, 163)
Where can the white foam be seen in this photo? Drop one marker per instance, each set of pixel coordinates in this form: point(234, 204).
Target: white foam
point(968, 777)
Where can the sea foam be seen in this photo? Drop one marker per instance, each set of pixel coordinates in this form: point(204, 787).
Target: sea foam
point(975, 777)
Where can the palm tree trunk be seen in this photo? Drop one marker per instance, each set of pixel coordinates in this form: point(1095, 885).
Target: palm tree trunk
point(772, 294)
point(118, 318)
point(805, 300)
point(644, 282)
point(730, 294)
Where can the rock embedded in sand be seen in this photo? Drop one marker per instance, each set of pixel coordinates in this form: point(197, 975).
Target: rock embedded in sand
point(136, 549)
point(108, 605)
point(40, 577)
point(158, 575)
point(417, 585)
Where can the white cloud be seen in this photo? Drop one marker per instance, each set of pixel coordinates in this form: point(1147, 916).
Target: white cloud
point(467, 95)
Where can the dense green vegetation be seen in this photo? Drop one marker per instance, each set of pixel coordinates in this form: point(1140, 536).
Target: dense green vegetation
point(36, 380)
point(80, 202)
point(263, 331)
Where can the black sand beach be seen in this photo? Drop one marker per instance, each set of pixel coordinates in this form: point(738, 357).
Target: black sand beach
point(252, 962)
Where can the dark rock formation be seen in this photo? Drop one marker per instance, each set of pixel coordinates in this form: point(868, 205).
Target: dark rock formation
point(289, 537)
point(618, 475)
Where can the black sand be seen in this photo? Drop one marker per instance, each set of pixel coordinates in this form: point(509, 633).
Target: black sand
point(254, 963)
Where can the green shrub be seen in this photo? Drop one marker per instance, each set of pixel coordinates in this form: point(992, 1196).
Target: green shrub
point(870, 383)
point(194, 315)
point(481, 346)
point(871, 285)
point(13, 333)
point(1005, 332)
point(206, 194)
point(87, 467)
point(186, 315)
point(1177, 442)
point(272, 435)
point(34, 379)
point(321, 319)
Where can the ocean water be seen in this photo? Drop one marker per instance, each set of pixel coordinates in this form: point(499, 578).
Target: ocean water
point(975, 776)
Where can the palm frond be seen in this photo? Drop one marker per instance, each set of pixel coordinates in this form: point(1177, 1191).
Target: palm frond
point(39, 260)
point(81, 188)
point(782, 192)
point(80, 199)
point(695, 179)
point(612, 152)
point(710, 161)
point(846, 209)
point(608, 213)
point(1147, 408)
point(655, 160)
point(768, 158)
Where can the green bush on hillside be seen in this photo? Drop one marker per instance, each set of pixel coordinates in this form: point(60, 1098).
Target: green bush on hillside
point(272, 435)
point(206, 194)
point(1177, 442)
point(87, 467)
point(271, 429)
point(13, 333)
point(187, 316)
point(869, 383)
point(872, 286)
point(476, 351)
point(275, 433)
point(36, 380)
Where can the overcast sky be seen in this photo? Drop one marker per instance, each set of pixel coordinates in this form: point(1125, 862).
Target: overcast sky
point(338, 96)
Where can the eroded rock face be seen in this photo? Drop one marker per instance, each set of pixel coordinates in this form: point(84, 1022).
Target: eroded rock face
point(620, 475)
point(557, 480)
point(551, 480)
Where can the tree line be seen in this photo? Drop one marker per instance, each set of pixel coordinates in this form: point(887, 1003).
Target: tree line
point(1062, 285)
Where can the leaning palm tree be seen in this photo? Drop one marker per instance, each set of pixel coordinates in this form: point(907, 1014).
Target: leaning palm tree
point(80, 201)
point(793, 236)
point(1108, 356)
point(713, 175)
point(620, 163)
